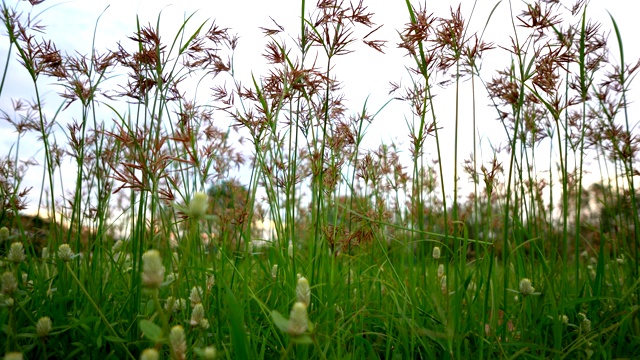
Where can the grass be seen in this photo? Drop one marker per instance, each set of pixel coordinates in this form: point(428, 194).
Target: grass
point(155, 250)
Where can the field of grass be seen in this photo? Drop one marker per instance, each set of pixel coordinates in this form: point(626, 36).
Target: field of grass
point(158, 250)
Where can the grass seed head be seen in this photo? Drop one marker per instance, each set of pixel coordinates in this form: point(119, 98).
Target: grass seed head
point(195, 296)
point(198, 205)
point(298, 322)
point(436, 253)
point(16, 253)
point(9, 283)
point(525, 287)
point(303, 291)
point(149, 354)
point(197, 315)
point(13, 356)
point(178, 342)
point(209, 353)
point(152, 269)
point(65, 253)
point(43, 326)
point(4, 234)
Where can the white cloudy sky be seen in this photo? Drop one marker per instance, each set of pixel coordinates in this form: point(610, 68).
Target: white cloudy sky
point(365, 73)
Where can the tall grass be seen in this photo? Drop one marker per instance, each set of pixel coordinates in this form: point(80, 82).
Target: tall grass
point(155, 249)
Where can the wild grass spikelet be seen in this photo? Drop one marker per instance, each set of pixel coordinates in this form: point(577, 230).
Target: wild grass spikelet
point(65, 253)
point(303, 291)
point(298, 321)
point(152, 269)
point(178, 342)
point(198, 205)
point(525, 287)
point(16, 253)
point(43, 326)
point(150, 354)
point(9, 283)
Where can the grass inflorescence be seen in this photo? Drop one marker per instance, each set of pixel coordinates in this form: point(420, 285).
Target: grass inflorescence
point(159, 249)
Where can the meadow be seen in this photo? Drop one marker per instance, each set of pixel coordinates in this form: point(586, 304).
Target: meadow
point(159, 248)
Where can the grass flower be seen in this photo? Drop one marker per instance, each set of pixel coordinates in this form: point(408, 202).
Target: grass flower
point(298, 322)
point(152, 269)
point(525, 287)
point(198, 206)
point(440, 271)
point(211, 280)
point(9, 283)
point(150, 354)
point(175, 305)
point(4, 234)
point(178, 342)
point(197, 315)
point(43, 327)
point(16, 253)
point(209, 353)
point(13, 356)
point(303, 291)
point(274, 271)
point(65, 253)
point(436, 253)
point(195, 296)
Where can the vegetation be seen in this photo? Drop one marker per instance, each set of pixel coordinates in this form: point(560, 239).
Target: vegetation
point(159, 248)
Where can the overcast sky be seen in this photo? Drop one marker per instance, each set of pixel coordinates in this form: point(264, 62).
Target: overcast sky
point(365, 73)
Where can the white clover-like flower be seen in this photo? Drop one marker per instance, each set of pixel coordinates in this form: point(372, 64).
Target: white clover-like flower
point(65, 253)
point(171, 277)
point(4, 234)
point(585, 325)
point(564, 319)
point(443, 284)
point(178, 343)
point(43, 326)
point(197, 315)
point(198, 205)
point(45, 253)
point(525, 287)
point(274, 271)
point(436, 253)
point(209, 353)
point(16, 253)
point(440, 271)
point(211, 280)
point(9, 283)
point(298, 321)
point(290, 251)
point(152, 269)
point(175, 305)
point(150, 354)
point(13, 356)
point(303, 291)
point(195, 296)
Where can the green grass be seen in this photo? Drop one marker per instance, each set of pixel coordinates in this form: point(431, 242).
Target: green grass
point(534, 263)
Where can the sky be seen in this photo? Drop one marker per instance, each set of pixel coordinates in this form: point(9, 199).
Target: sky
point(365, 73)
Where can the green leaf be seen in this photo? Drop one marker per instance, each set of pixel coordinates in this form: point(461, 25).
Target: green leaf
point(280, 321)
point(114, 339)
point(302, 339)
point(238, 336)
point(152, 331)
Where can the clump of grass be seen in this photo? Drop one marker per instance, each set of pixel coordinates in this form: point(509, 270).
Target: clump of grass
point(154, 249)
